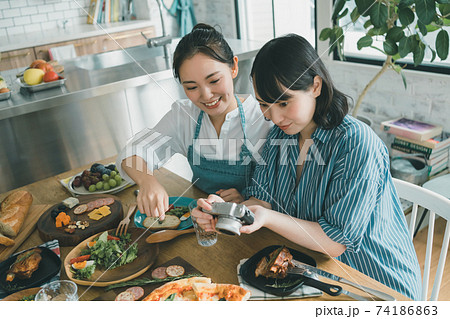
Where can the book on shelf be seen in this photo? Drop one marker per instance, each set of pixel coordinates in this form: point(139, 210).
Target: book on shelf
point(414, 148)
point(438, 142)
point(414, 130)
point(436, 169)
point(443, 156)
point(91, 11)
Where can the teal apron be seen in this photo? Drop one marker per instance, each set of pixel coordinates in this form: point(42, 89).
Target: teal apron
point(212, 175)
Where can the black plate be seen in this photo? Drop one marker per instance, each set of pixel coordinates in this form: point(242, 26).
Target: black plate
point(290, 283)
point(49, 266)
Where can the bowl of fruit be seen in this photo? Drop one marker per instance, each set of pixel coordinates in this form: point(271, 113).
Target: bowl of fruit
point(99, 179)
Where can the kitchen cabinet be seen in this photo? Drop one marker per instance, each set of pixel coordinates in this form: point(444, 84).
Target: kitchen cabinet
point(16, 59)
point(92, 45)
point(99, 44)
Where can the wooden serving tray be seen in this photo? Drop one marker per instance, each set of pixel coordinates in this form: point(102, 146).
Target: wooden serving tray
point(29, 225)
point(147, 254)
point(188, 268)
point(17, 296)
point(48, 231)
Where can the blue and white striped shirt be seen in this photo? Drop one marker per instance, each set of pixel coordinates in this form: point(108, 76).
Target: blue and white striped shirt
point(347, 188)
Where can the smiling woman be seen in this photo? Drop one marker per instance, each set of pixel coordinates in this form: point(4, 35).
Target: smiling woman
point(210, 128)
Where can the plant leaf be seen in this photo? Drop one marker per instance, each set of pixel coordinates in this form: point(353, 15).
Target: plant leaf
point(364, 6)
point(378, 14)
point(406, 2)
point(425, 10)
point(404, 47)
point(325, 34)
point(431, 28)
point(433, 55)
point(406, 16)
point(404, 79)
point(422, 28)
point(444, 9)
point(338, 5)
point(442, 43)
point(367, 24)
point(365, 41)
point(418, 54)
point(355, 15)
point(390, 47)
point(395, 34)
point(343, 14)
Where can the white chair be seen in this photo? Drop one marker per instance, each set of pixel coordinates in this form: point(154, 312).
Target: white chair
point(437, 205)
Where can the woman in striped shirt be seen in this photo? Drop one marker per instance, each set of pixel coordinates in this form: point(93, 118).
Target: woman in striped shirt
point(324, 182)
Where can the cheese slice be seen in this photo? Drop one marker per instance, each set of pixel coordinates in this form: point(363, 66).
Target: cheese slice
point(96, 216)
point(104, 210)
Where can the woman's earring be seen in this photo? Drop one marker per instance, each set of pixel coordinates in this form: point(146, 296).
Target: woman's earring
point(265, 118)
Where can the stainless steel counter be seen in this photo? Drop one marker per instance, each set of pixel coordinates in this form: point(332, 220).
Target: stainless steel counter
point(106, 99)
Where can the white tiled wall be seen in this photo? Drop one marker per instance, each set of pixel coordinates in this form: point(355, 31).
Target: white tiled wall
point(24, 16)
point(425, 98)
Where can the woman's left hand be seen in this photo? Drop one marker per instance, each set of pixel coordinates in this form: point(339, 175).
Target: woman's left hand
point(261, 216)
point(230, 195)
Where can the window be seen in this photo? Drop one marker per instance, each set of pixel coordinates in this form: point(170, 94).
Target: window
point(353, 32)
point(262, 20)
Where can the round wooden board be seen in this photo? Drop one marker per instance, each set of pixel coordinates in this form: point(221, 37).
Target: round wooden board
point(48, 231)
point(147, 254)
point(17, 296)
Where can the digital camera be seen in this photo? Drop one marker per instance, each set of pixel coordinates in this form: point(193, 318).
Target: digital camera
point(231, 216)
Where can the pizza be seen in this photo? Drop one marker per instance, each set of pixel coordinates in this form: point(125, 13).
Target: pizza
point(197, 288)
point(216, 292)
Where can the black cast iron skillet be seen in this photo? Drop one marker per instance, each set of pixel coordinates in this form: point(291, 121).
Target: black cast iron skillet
point(286, 286)
point(49, 266)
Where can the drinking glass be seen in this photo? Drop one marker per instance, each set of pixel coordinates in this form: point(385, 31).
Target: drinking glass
point(58, 290)
point(204, 238)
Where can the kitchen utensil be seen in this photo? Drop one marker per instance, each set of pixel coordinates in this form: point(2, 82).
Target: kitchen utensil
point(123, 225)
point(166, 235)
point(41, 86)
point(412, 168)
point(147, 255)
point(49, 266)
point(307, 274)
point(287, 285)
point(308, 270)
point(48, 231)
point(5, 96)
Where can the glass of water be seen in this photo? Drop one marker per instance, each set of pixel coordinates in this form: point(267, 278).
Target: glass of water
point(204, 238)
point(58, 290)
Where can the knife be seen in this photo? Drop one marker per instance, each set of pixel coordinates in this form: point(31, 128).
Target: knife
point(308, 270)
point(332, 290)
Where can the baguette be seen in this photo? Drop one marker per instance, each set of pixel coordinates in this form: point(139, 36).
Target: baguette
point(170, 222)
point(13, 211)
point(5, 241)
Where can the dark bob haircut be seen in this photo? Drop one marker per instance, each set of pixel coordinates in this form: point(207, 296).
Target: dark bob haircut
point(290, 62)
point(202, 39)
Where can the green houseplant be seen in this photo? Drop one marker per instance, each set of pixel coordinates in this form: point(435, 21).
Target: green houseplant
point(401, 24)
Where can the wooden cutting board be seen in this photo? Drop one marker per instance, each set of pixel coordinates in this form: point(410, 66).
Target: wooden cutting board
point(29, 225)
point(48, 231)
point(189, 269)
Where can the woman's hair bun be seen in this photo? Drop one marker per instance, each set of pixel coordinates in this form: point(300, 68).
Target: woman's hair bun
point(203, 26)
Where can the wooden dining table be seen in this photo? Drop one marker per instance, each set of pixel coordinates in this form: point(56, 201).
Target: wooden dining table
point(218, 262)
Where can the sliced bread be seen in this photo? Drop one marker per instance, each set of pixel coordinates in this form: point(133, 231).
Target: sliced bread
point(170, 222)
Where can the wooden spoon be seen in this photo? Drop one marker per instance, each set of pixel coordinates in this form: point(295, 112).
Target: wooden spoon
point(167, 234)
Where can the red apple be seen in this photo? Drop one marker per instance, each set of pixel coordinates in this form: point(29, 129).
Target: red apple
point(50, 76)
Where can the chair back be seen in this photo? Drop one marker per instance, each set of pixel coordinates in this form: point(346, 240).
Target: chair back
point(437, 205)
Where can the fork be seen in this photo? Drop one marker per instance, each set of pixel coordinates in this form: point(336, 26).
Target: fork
point(123, 225)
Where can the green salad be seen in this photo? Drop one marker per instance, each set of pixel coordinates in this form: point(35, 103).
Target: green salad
point(108, 252)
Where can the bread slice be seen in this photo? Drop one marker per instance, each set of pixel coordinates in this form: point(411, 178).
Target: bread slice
point(170, 222)
point(13, 210)
point(5, 241)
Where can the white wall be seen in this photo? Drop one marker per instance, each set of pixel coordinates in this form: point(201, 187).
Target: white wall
point(23, 16)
